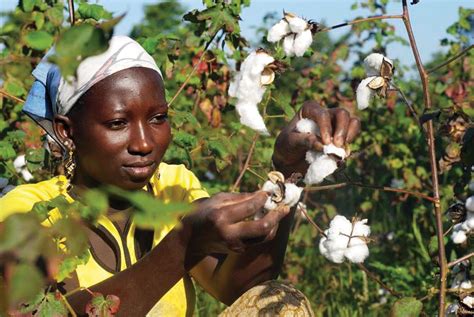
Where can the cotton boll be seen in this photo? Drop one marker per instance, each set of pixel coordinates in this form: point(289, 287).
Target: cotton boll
point(361, 229)
point(302, 42)
point(322, 247)
point(470, 203)
point(270, 204)
point(364, 93)
point(471, 186)
point(458, 236)
point(373, 63)
point(322, 167)
point(332, 149)
point(296, 24)
point(307, 126)
point(468, 301)
point(292, 194)
point(467, 284)
point(3, 182)
point(288, 44)
point(452, 309)
point(250, 117)
point(336, 246)
point(19, 163)
point(270, 187)
point(468, 224)
point(357, 251)
point(277, 31)
point(340, 224)
point(312, 156)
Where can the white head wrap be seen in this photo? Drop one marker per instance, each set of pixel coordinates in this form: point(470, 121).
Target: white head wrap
point(52, 94)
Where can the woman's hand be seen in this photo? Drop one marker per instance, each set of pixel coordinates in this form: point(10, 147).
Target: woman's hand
point(335, 126)
point(224, 223)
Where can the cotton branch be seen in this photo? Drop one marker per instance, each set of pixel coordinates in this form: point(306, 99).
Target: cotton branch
point(452, 59)
point(466, 257)
point(10, 96)
point(378, 17)
point(432, 156)
point(376, 279)
point(246, 164)
point(71, 12)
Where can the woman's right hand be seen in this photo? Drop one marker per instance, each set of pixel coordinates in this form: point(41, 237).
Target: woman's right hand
point(224, 223)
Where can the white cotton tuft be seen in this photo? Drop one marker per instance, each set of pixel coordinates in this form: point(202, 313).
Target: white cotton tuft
point(27, 176)
point(250, 117)
point(468, 301)
point(247, 88)
point(336, 245)
point(452, 309)
point(302, 42)
point(270, 187)
point(332, 149)
point(470, 203)
point(323, 166)
point(471, 186)
point(278, 31)
point(307, 126)
point(357, 251)
point(292, 194)
point(297, 24)
point(270, 204)
point(288, 44)
point(458, 236)
point(364, 93)
point(467, 284)
point(373, 63)
point(312, 156)
point(19, 163)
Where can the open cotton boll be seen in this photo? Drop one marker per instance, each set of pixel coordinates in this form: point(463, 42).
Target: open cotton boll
point(250, 117)
point(373, 63)
point(364, 93)
point(307, 126)
point(458, 236)
point(357, 251)
point(302, 42)
point(361, 228)
point(335, 246)
point(332, 149)
point(471, 186)
point(292, 194)
point(296, 24)
point(323, 166)
point(288, 44)
point(312, 156)
point(470, 203)
point(468, 224)
point(340, 224)
point(468, 301)
point(277, 31)
point(27, 176)
point(270, 187)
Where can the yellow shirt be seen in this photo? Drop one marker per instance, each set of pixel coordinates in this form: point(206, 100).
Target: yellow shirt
point(171, 183)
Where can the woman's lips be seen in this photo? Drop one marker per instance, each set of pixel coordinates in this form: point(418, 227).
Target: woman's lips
point(140, 170)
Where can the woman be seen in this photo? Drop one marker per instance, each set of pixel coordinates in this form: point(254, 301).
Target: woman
point(112, 119)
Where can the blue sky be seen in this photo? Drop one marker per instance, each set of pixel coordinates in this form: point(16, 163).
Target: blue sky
point(430, 18)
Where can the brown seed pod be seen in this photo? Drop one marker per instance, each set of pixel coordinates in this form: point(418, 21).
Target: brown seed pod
point(457, 212)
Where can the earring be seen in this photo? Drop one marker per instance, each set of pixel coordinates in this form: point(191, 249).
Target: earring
point(69, 166)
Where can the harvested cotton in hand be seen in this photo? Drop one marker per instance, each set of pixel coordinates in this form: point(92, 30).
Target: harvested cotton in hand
point(249, 85)
point(321, 164)
point(296, 34)
point(345, 240)
point(282, 194)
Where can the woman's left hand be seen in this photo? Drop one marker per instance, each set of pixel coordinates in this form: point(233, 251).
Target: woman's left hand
point(335, 125)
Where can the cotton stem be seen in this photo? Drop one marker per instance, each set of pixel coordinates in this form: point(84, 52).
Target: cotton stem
point(246, 164)
point(378, 17)
point(10, 96)
point(434, 170)
point(452, 59)
point(378, 281)
point(466, 257)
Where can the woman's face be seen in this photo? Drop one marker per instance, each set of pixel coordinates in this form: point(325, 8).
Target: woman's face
point(120, 130)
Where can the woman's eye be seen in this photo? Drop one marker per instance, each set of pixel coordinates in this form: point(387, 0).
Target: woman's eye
point(116, 124)
point(159, 118)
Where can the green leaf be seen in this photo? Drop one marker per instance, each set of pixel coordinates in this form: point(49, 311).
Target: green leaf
point(28, 5)
point(406, 307)
point(75, 238)
point(39, 40)
point(55, 15)
point(95, 204)
point(52, 305)
point(39, 19)
point(26, 282)
point(14, 87)
point(7, 152)
point(93, 11)
point(184, 140)
point(69, 265)
point(433, 244)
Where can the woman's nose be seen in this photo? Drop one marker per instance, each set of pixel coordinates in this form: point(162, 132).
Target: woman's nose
point(140, 142)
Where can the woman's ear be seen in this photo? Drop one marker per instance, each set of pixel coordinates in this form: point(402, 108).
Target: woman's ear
point(62, 126)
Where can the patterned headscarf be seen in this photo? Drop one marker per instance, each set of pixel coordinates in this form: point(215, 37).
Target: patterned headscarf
point(51, 94)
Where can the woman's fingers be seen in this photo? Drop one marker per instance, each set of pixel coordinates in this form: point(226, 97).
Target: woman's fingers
point(322, 117)
point(341, 119)
point(306, 141)
point(261, 227)
point(353, 130)
point(241, 207)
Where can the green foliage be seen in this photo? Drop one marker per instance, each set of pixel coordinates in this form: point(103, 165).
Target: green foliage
point(406, 307)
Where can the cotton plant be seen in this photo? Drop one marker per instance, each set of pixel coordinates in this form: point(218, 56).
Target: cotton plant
point(379, 70)
point(248, 86)
point(460, 273)
point(283, 193)
point(321, 164)
point(465, 223)
point(345, 240)
point(20, 167)
point(296, 33)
